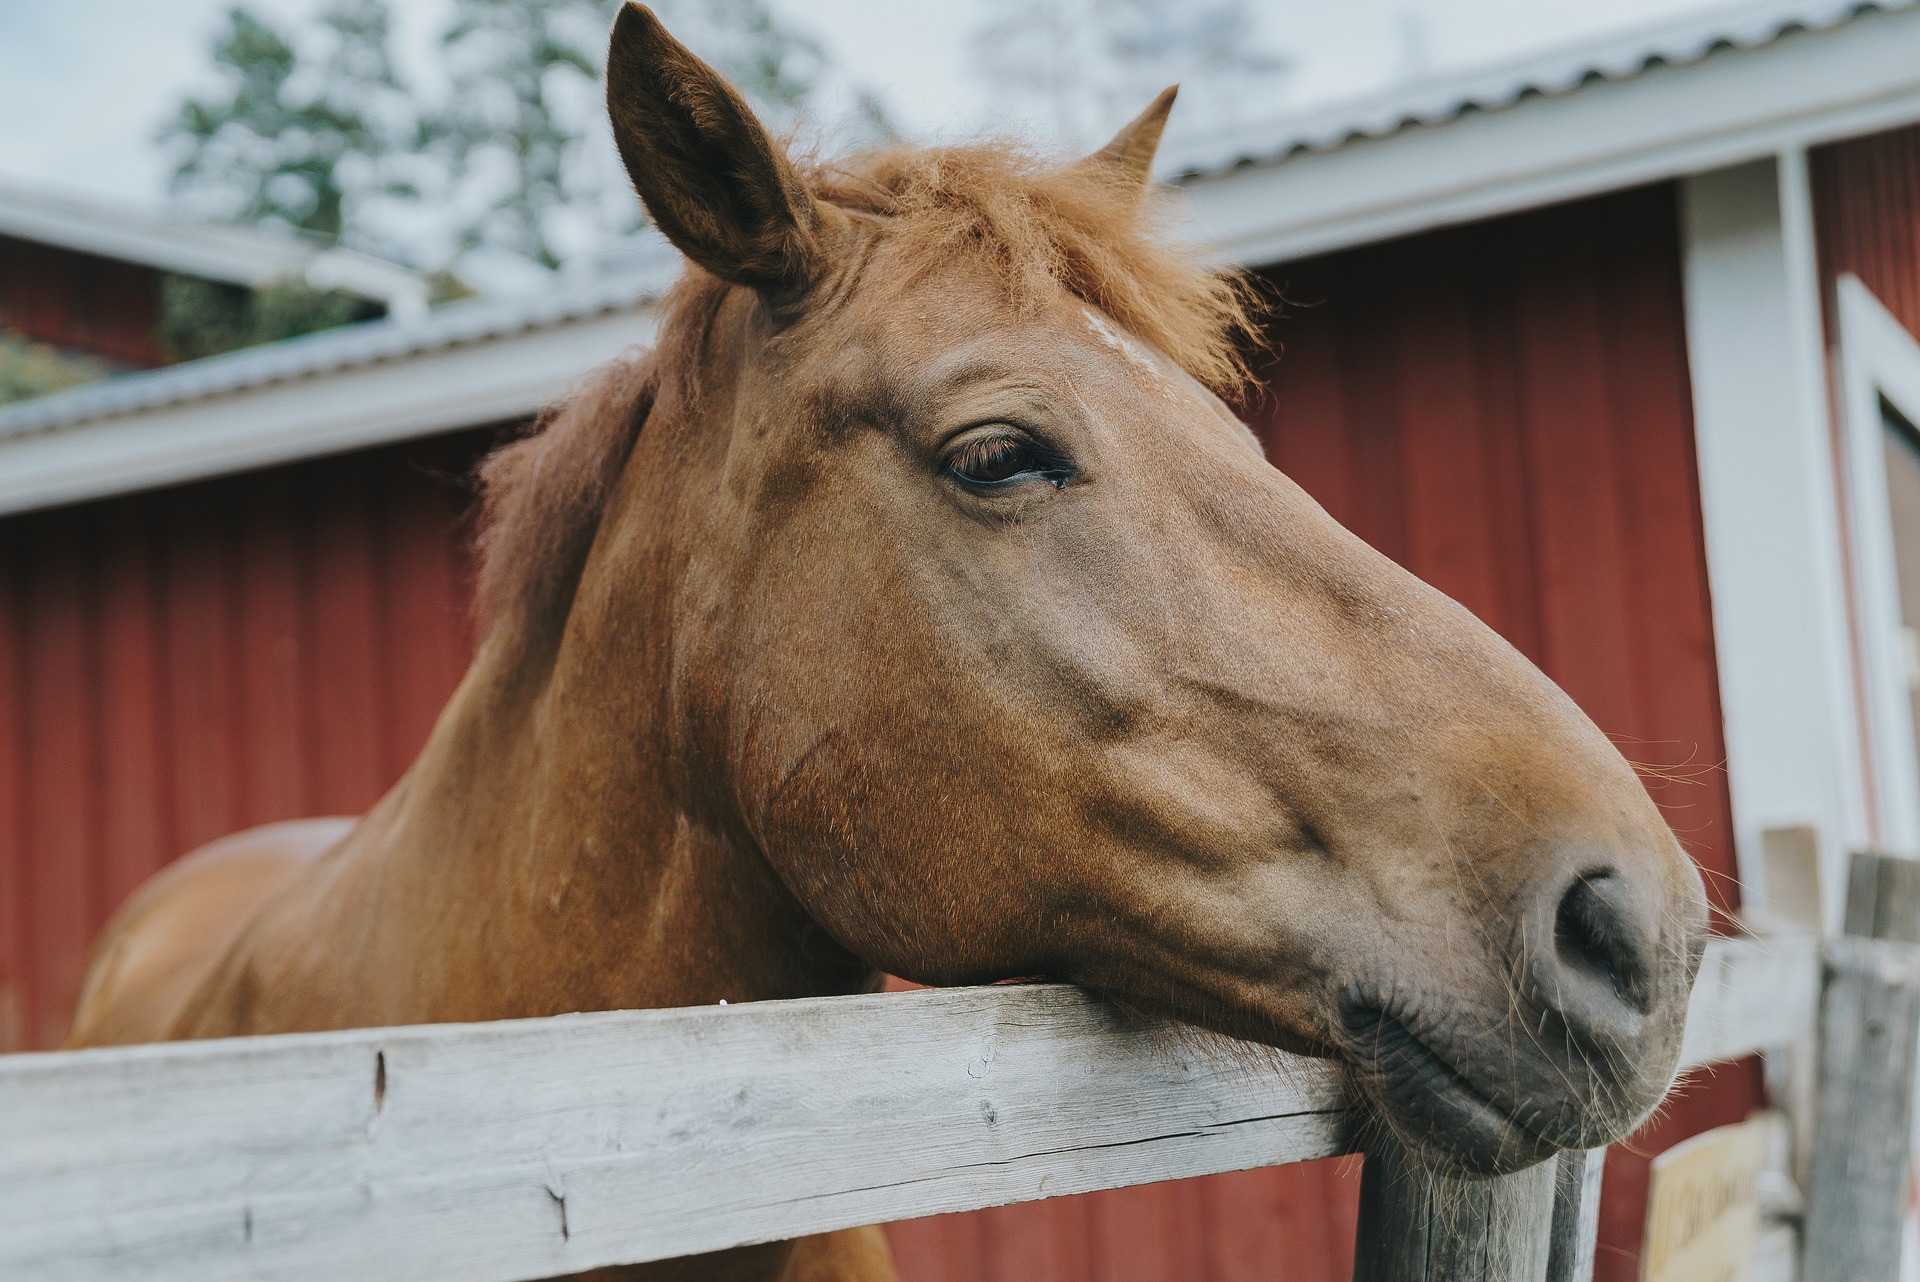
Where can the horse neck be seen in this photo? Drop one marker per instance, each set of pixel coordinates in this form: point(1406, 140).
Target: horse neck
point(552, 850)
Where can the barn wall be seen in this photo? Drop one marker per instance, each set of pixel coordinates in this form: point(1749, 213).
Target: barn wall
point(178, 665)
point(1503, 408)
point(1866, 194)
point(79, 301)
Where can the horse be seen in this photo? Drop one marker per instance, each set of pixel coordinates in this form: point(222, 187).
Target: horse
point(918, 605)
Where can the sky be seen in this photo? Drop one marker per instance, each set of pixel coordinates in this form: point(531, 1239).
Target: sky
point(85, 87)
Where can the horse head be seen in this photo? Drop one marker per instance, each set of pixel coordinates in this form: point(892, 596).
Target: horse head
point(987, 624)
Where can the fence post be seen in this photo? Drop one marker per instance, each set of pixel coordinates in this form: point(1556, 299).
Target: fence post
point(1883, 897)
point(1863, 1117)
point(1418, 1227)
point(1576, 1214)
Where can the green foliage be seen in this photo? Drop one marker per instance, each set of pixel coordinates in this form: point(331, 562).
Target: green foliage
point(205, 318)
point(29, 369)
point(289, 140)
point(1084, 67)
point(514, 64)
point(315, 129)
point(523, 125)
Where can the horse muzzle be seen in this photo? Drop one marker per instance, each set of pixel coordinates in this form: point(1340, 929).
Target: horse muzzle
point(1569, 1042)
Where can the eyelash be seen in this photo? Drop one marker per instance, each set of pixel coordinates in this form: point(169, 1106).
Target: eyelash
point(986, 452)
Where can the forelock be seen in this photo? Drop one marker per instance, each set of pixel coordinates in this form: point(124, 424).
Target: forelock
point(1039, 226)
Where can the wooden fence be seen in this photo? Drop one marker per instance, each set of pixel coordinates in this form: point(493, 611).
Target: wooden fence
point(527, 1148)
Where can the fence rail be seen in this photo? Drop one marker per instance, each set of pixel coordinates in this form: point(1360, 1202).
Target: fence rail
point(526, 1148)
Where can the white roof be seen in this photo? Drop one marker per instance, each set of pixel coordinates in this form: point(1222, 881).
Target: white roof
point(1728, 86)
point(237, 255)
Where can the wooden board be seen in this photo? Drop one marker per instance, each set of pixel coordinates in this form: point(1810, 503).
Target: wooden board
point(529, 1147)
point(1751, 995)
point(1857, 1196)
point(1576, 1214)
point(1703, 1219)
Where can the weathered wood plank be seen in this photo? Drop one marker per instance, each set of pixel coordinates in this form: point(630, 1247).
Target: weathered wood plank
point(524, 1149)
point(1752, 994)
point(1870, 1031)
point(1883, 897)
point(1418, 1227)
point(1576, 1215)
point(529, 1147)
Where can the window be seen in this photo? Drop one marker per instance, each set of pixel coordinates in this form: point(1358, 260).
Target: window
point(1877, 372)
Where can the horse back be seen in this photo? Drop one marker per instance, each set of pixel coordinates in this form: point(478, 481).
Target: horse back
point(167, 938)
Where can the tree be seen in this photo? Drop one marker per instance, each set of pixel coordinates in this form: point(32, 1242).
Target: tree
point(300, 141)
point(316, 130)
point(1080, 67)
point(534, 169)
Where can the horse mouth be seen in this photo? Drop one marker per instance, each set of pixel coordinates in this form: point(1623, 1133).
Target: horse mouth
point(1430, 1104)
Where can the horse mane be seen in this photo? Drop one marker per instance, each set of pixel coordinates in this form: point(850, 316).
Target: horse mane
point(1036, 225)
point(541, 496)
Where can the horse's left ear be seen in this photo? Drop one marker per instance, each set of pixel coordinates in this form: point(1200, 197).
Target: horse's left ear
point(711, 177)
point(1130, 155)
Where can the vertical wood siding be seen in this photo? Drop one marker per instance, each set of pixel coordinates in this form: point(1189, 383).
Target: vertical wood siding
point(1502, 408)
point(179, 665)
point(1866, 194)
point(79, 301)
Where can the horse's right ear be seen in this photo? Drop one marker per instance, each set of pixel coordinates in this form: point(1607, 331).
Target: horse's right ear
point(711, 177)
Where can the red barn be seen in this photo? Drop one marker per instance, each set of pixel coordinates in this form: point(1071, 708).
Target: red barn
point(1615, 346)
point(87, 279)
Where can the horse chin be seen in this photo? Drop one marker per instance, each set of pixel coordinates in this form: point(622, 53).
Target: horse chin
point(1436, 1109)
point(1430, 1106)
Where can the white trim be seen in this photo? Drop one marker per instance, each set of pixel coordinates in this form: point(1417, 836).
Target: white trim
point(1734, 106)
point(1874, 356)
point(489, 380)
point(1770, 514)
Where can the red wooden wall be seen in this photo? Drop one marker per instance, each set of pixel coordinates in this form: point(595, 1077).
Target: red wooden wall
point(1866, 194)
point(79, 301)
point(179, 665)
point(1504, 408)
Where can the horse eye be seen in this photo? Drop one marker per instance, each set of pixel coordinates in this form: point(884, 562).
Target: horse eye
point(997, 460)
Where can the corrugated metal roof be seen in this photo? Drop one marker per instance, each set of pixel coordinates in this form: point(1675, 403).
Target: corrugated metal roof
point(332, 350)
point(1491, 88)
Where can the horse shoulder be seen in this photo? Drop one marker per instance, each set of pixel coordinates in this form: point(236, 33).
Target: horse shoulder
point(167, 938)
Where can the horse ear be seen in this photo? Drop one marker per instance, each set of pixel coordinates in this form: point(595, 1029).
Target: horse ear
point(711, 177)
point(1130, 154)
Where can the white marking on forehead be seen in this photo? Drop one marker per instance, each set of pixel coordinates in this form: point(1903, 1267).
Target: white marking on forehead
point(1116, 340)
point(1142, 359)
point(1133, 351)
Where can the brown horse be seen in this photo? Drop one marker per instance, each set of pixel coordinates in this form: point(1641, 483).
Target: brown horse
point(917, 606)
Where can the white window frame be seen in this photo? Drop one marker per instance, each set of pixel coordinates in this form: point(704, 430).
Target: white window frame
point(1875, 358)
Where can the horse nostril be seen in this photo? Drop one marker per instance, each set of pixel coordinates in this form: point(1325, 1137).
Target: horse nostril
point(1595, 934)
